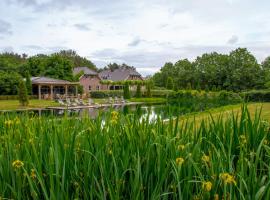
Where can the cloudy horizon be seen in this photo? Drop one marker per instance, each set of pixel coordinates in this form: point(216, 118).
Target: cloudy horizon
point(144, 34)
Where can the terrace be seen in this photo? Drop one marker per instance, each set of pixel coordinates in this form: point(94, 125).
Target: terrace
point(49, 88)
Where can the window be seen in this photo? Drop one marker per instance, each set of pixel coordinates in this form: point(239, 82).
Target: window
point(97, 87)
point(90, 88)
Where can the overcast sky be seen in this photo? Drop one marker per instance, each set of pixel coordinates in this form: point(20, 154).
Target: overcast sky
point(145, 34)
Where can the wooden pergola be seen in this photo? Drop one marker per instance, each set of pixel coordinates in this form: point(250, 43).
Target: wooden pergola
point(53, 87)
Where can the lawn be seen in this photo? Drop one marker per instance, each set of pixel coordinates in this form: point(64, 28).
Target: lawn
point(226, 111)
point(15, 104)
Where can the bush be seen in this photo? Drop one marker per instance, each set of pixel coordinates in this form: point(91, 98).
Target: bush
point(23, 96)
point(126, 91)
point(192, 101)
point(256, 96)
point(139, 91)
point(15, 97)
point(106, 93)
point(161, 93)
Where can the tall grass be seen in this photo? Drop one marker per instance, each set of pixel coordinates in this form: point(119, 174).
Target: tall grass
point(129, 158)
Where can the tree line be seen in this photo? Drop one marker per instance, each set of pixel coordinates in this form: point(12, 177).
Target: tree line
point(239, 70)
point(14, 67)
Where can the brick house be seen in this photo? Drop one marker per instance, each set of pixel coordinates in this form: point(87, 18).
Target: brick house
point(91, 80)
point(120, 74)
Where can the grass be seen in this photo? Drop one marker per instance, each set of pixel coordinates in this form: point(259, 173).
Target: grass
point(124, 157)
point(226, 111)
point(15, 104)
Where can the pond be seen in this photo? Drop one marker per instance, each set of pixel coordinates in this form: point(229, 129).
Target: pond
point(148, 110)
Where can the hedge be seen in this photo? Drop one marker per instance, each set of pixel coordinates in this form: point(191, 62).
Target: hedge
point(15, 97)
point(188, 101)
point(256, 96)
point(118, 93)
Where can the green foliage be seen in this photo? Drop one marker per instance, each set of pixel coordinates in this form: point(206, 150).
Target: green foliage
point(15, 97)
point(76, 60)
point(188, 101)
point(28, 83)
point(138, 91)
point(124, 157)
point(114, 66)
point(148, 89)
point(9, 82)
point(206, 88)
point(189, 86)
point(126, 91)
point(170, 84)
point(23, 96)
point(237, 71)
point(256, 96)
point(100, 94)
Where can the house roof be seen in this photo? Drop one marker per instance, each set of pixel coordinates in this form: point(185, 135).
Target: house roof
point(85, 70)
point(47, 80)
point(118, 74)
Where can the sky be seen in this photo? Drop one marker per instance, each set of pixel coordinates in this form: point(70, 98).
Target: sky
point(144, 34)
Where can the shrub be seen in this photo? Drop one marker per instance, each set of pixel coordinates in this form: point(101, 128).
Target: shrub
point(16, 97)
point(256, 96)
point(139, 92)
point(170, 84)
point(106, 93)
point(23, 97)
point(126, 91)
point(192, 101)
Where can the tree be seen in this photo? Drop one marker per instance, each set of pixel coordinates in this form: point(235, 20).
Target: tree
point(28, 83)
point(138, 91)
point(23, 97)
point(266, 69)
point(184, 73)
point(189, 86)
point(246, 71)
point(170, 85)
point(148, 89)
point(126, 91)
point(9, 82)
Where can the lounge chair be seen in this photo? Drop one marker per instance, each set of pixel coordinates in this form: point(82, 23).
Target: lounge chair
point(60, 101)
point(69, 103)
point(91, 102)
point(82, 103)
point(79, 102)
point(110, 100)
point(122, 100)
point(116, 100)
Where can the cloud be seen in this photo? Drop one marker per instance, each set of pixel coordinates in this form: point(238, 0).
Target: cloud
point(22, 2)
point(5, 28)
point(7, 49)
point(33, 47)
point(135, 42)
point(82, 27)
point(233, 40)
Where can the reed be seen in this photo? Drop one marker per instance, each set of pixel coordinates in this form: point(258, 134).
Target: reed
point(123, 157)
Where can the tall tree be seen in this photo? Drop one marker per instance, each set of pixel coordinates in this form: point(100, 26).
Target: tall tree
point(23, 97)
point(126, 91)
point(246, 71)
point(28, 83)
point(170, 84)
point(138, 91)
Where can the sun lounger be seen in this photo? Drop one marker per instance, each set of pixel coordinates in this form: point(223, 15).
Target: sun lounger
point(116, 100)
point(69, 103)
point(110, 100)
point(122, 100)
point(60, 101)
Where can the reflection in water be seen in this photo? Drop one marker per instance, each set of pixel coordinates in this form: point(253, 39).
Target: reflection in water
point(144, 111)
